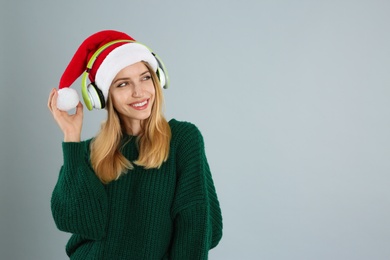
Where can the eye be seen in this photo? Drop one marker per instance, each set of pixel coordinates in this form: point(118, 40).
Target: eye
point(146, 77)
point(122, 84)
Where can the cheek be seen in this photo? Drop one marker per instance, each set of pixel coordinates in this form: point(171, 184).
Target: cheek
point(153, 94)
point(151, 90)
point(116, 99)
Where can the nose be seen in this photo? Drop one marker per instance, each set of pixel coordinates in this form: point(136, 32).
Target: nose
point(138, 91)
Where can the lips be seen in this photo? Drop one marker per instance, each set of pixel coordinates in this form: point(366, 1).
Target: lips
point(140, 105)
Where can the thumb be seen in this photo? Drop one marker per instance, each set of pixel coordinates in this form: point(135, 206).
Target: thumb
point(79, 108)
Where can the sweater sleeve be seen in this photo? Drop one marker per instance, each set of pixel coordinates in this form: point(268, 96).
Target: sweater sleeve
point(196, 210)
point(79, 202)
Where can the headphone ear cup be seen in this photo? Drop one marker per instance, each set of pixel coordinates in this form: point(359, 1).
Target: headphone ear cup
point(96, 96)
point(162, 72)
point(161, 77)
point(85, 92)
point(92, 95)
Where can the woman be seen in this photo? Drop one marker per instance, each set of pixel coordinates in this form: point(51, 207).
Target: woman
point(142, 188)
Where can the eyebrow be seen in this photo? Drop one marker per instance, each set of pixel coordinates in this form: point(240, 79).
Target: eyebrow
point(127, 78)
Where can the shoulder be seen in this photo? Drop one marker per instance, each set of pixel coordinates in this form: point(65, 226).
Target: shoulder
point(186, 136)
point(184, 130)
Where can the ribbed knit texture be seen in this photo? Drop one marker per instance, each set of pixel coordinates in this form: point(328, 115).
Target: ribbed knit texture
point(167, 213)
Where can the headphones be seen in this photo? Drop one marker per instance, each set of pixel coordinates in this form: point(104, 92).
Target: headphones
point(93, 96)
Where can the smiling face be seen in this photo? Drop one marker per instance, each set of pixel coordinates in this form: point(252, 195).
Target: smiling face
point(132, 94)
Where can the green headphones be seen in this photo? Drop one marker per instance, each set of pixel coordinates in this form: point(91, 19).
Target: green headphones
point(93, 96)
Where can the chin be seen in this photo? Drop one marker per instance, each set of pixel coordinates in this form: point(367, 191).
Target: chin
point(143, 117)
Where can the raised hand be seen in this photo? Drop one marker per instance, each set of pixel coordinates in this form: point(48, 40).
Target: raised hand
point(70, 124)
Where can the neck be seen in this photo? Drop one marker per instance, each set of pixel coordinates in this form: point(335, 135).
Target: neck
point(132, 127)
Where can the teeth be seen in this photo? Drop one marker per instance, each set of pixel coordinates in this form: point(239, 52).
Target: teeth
point(140, 104)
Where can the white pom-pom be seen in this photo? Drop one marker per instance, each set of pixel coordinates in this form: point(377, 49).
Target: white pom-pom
point(67, 99)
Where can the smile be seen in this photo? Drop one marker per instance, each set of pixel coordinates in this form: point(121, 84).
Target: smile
point(140, 105)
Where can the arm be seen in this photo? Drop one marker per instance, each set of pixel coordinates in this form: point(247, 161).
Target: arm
point(196, 210)
point(79, 202)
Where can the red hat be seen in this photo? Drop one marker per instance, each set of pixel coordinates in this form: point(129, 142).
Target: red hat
point(110, 51)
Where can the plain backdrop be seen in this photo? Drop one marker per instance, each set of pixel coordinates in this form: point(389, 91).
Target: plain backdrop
point(292, 98)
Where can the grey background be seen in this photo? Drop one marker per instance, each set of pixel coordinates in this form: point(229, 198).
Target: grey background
point(292, 98)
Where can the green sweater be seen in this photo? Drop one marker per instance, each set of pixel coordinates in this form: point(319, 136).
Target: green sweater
point(167, 213)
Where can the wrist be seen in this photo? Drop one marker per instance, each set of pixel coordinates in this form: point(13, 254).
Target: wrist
point(68, 137)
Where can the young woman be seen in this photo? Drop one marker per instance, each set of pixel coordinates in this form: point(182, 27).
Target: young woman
point(141, 188)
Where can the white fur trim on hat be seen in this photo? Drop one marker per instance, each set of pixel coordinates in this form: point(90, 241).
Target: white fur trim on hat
point(119, 58)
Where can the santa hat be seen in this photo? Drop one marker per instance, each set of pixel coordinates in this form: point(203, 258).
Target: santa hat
point(109, 52)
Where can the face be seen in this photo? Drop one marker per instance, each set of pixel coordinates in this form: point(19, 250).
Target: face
point(132, 94)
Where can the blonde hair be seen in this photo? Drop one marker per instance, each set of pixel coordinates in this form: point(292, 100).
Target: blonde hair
point(153, 143)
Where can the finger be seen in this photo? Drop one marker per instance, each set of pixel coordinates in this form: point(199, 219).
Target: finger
point(53, 104)
point(54, 100)
point(50, 98)
point(79, 109)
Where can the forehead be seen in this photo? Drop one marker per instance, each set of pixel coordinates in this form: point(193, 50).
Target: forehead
point(132, 70)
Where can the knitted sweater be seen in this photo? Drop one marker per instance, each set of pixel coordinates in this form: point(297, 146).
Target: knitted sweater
point(167, 213)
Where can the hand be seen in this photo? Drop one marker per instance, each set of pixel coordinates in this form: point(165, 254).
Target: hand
point(70, 124)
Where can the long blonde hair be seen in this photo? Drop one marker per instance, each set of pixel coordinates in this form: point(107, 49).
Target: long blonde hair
point(153, 143)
